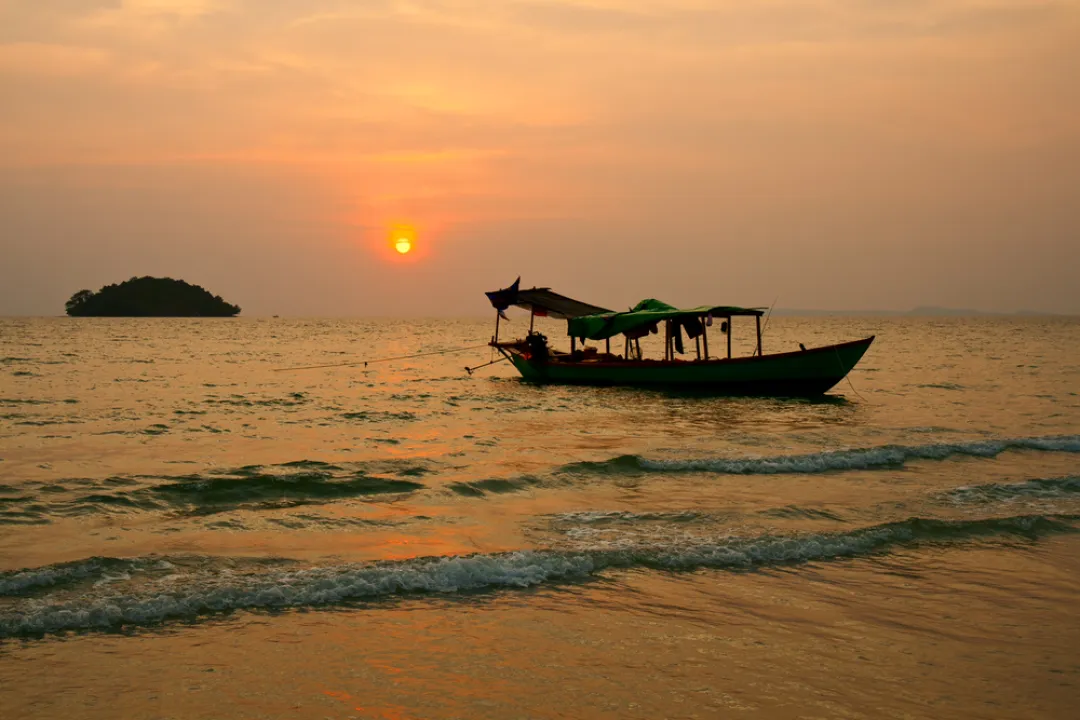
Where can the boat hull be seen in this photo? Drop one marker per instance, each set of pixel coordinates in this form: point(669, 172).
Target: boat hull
point(797, 374)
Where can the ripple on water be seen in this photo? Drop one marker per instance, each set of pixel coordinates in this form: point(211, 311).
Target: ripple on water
point(253, 488)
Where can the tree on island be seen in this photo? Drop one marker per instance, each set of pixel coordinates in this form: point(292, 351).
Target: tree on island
point(149, 297)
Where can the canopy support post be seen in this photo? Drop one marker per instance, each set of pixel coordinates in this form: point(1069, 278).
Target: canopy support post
point(573, 346)
point(532, 319)
point(607, 346)
point(697, 342)
point(705, 336)
point(498, 317)
point(758, 335)
point(728, 337)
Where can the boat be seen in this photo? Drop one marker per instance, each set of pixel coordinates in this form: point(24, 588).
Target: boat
point(802, 373)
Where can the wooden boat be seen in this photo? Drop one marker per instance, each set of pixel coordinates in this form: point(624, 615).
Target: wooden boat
point(806, 372)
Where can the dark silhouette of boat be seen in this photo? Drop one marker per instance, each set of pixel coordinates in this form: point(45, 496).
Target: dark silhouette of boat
point(806, 372)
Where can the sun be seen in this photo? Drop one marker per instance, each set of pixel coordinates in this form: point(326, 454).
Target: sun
point(402, 240)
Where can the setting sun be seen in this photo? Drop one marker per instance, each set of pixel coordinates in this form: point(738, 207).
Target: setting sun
point(402, 239)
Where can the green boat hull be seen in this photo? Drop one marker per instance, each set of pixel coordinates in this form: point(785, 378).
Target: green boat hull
point(797, 374)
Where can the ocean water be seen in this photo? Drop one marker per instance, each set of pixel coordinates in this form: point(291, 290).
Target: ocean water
point(192, 527)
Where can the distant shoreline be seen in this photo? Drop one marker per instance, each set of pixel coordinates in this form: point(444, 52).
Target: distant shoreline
point(779, 312)
point(927, 311)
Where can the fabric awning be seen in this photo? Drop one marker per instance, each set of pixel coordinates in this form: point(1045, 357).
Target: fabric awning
point(542, 301)
point(645, 314)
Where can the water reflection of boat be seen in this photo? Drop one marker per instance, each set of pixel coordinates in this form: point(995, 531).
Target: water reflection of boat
point(805, 372)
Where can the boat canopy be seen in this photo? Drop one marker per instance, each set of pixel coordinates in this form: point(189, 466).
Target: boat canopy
point(542, 302)
point(645, 316)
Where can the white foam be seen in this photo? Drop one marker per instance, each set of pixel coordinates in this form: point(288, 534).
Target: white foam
point(864, 458)
point(605, 516)
point(314, 587)
point(110, 579)
point(19, 582)
point(1036, 489)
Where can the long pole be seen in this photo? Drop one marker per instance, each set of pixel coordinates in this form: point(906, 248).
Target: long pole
point(758, 335)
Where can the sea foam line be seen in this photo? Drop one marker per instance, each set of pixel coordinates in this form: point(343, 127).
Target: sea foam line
point(201, 593)
point(832, 460)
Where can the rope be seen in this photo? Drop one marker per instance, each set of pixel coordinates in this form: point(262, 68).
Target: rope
point(847, 375)
point(385, 359)
point(848, 378)
point(766, 326)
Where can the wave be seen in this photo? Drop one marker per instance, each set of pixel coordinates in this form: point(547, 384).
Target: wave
point(883, 456)
point(1036, 489)
point(201, 593)
point(291, 400)
point(229, 492)
point(17, 583)
point(479, 488)
point(254, 487)
point(379, 416)
point(21, 517)
point(603, 517)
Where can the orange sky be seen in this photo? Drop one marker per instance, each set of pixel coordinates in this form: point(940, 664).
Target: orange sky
point(831, 153)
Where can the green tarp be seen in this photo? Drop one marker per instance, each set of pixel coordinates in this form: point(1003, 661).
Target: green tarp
point(643, 315)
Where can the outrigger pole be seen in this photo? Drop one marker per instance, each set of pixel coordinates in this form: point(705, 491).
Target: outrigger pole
point(470, 370)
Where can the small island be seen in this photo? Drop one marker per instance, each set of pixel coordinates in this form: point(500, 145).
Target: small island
point(149, 297)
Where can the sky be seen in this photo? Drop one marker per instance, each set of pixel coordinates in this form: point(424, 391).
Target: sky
point(823, 154)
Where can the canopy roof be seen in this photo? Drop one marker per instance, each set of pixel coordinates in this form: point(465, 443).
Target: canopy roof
point(646, 313)
point(542, 301)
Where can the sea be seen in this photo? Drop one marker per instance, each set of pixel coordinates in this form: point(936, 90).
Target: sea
point(238, 518)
